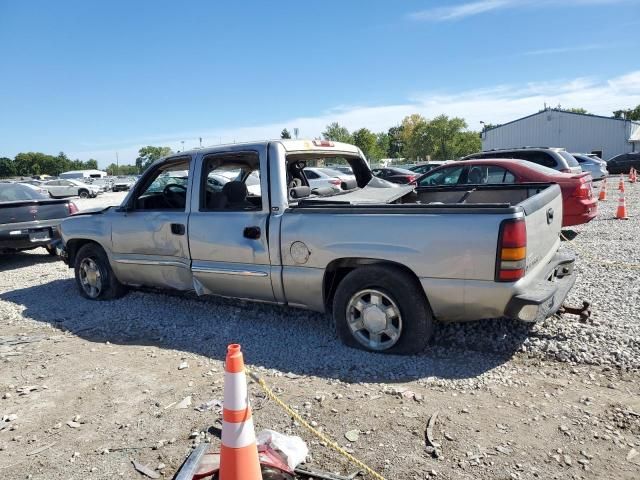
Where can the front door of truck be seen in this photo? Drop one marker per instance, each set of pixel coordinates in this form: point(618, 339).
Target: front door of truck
point(149, 233)
point(228, 226)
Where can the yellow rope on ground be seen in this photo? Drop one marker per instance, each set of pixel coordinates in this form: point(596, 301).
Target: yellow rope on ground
point(295, 415)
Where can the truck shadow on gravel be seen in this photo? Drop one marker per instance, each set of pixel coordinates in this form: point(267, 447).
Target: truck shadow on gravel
point(286, 339)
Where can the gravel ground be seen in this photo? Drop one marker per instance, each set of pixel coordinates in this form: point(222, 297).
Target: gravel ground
point(550, 391)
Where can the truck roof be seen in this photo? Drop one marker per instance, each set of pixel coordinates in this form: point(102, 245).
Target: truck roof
point(290, 145)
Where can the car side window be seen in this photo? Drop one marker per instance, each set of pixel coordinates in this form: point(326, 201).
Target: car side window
point(166, 188)
point(311, 174)
point(446, 176)
point(231, 182)
point(499, 175)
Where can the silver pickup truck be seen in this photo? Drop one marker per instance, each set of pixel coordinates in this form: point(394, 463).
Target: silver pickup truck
point(386, 260)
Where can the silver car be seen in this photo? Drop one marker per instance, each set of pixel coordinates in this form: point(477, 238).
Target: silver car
point(71, 188)
point(592, 164)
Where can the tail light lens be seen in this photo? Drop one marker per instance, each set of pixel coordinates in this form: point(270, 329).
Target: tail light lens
point(73, 208)
point(335, 181)
point(512, 251)
point(583, 190)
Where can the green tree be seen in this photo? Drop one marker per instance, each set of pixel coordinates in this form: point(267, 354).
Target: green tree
point(414, 137)
point(395, 142)
point(149, 154)
point(7, 167)
point(91, 164)
point(628, 114)
point(285, 133)
point(576, 110)
point(383, 143)
point(334, 131)
point(367, 141)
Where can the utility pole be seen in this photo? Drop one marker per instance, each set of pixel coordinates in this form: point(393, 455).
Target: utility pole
point(200, 142)
point(117, 164)
point(182, 141)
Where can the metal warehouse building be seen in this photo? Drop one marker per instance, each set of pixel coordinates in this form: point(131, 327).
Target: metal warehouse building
point(576, 132)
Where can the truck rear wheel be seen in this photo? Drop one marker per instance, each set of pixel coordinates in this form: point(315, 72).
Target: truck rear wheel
point(94, 277)
point(382, 309)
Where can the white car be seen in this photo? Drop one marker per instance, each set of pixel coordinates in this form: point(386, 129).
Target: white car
point(349, 181)
point(71, 188)
point(318, 178)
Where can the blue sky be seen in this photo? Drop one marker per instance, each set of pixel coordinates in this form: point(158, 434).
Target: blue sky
point(91, 79)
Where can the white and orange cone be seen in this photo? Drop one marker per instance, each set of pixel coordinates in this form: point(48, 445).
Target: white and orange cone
point(239, 453)
point(621, 213)
point(621, 184)
point(633, 175)
point(602, 196)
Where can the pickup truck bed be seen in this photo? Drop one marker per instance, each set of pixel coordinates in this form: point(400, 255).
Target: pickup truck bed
point(385, 261)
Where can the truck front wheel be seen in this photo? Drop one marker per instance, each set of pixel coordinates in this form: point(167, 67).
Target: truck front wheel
point(94, 276)
point(382, 309)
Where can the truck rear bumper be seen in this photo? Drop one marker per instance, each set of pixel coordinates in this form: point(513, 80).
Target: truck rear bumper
point(543, 298)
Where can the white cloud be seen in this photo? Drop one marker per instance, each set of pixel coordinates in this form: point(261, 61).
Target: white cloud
point(470, 9)
point(498, 104)
point(577, 48)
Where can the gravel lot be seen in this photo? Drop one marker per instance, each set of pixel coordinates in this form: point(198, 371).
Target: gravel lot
point(559, 399)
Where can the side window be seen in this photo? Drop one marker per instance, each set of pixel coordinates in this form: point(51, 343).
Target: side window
point(499, 175)
point(447, 176)
point(231, 182)
point(310, 174)
point(166, 189)
point(544, 159)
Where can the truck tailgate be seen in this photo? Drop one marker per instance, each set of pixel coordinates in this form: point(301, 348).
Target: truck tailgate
point(31, 210)
point(543, 216)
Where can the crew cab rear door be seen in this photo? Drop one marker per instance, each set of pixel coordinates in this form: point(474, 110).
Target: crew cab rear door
point(228, 225)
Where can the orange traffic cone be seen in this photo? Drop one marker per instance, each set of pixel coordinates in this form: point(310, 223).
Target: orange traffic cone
point(621, 184)
point(239, 453)
point(633, 175)
point(602, 196)
point(621, 213)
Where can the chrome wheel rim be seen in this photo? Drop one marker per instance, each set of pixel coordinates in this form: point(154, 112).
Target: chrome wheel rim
point(90, 277)
point(374, 319)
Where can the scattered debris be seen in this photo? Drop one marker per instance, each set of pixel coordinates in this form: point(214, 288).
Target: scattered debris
point(41, 449)
point(73, 424)
point(633, 453)
point(504, 450)
point(429, 432)
point(143, 469)
point(183, 365)
point(26, 390)
point(352, 435)
point(185, 403)
point(210, 405)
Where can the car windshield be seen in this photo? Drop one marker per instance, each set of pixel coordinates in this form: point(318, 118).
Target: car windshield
point(572, 162)
point(14, 192)
point(330, 172)
point(401, 171)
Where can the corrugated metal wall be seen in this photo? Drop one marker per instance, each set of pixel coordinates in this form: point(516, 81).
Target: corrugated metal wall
point(552, 128)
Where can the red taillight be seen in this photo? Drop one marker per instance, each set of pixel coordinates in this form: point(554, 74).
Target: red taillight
point(335, 181)
point(72, 208)
point(583, 191)
point(512, 251)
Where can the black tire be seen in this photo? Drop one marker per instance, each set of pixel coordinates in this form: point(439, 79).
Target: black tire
point(83, 194)
point(110, 288)
point(403, 290)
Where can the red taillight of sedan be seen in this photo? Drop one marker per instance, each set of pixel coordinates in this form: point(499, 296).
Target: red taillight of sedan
point(73, 208)
point(583, 190)
point(410, 178)
point(335, 181)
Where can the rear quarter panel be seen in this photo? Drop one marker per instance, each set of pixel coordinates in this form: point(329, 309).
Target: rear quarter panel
point(443, 247)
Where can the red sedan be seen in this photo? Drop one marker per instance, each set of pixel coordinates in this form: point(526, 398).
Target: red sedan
point(578, 201)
